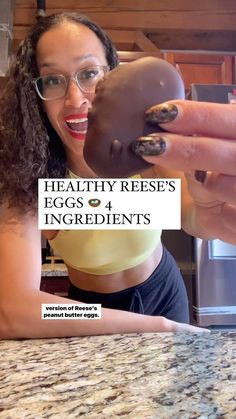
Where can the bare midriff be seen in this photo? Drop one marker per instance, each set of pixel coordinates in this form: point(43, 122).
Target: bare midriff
point(117, 281)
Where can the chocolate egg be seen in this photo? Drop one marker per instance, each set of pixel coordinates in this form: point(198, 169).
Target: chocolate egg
point(117, 116)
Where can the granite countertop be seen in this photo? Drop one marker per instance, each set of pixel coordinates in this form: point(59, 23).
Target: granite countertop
point(54, 269)
point(121, 376)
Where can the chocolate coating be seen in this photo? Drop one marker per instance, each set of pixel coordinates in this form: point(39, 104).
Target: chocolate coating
point(117, 116)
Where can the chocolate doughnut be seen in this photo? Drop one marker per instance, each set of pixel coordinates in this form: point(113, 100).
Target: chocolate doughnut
point(117, 116)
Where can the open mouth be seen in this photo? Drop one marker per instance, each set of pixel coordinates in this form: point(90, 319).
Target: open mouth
point(76, 125)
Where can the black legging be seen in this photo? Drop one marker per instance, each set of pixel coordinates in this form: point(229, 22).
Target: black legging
point(162, 294)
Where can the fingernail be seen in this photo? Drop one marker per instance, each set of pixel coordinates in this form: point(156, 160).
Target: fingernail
point(200, 175)
point(158, 114)
point(149, 146)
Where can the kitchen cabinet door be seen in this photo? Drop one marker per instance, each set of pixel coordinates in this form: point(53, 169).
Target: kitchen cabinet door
point(234, 70)
point(202, 68)
point(57, 285)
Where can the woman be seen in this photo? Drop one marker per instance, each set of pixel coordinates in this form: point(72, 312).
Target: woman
point(43, 127)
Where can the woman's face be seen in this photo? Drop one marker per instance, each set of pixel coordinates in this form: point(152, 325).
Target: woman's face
point(66, 49)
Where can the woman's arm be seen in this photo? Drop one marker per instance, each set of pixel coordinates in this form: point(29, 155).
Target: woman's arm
point(21, 299)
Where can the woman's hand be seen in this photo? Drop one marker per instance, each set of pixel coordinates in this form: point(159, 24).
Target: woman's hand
point(165, 325)
point(201, 141)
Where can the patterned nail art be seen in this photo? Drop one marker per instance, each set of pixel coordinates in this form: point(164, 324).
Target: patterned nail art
point(149, 146)
point(161, 113)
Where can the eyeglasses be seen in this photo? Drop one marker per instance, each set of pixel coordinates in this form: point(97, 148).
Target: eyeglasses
point(54, 86)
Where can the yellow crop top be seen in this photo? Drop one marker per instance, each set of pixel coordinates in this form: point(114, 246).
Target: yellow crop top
point(103, 252)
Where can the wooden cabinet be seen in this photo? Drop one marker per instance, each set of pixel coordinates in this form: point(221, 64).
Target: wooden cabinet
point(54, 277)
point(194, 68)
point(203, 68)
point(234, 70)
point(57, 285)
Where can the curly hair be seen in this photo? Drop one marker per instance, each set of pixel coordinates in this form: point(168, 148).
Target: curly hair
point(29, 147)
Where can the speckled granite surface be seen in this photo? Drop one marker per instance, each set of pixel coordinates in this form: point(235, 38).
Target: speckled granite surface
point(54, 269)
point(131, 376)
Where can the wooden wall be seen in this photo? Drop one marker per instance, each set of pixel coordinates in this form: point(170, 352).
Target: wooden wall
point(148, 25)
